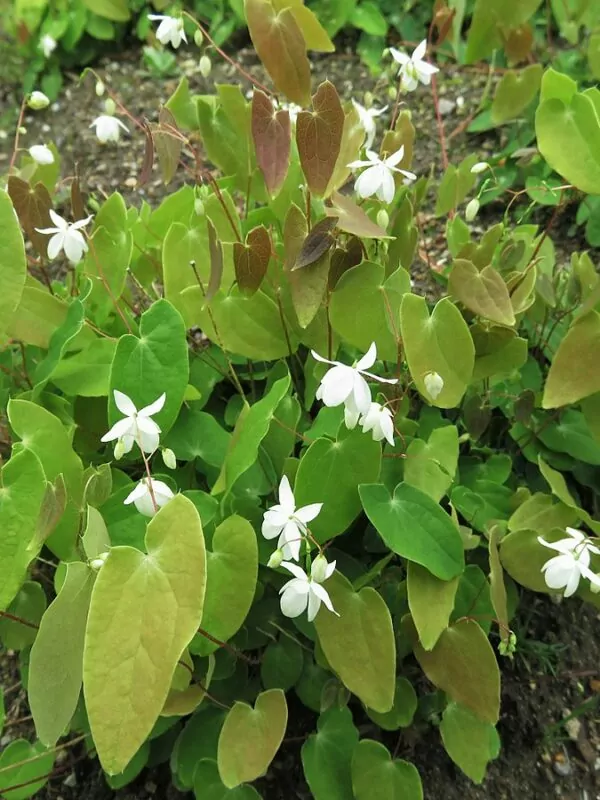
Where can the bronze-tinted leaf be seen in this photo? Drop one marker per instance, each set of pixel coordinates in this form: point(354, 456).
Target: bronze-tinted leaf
point(308, 287)
point(353, 136)
point(518, 42)
point(251, 260)
point(280, 46)
point(168, 143)
point(352, 219)
point(319, 137)
point(295, 230)
point(32, 205)
point(215, 250)
point(314, 33)
point(343, 259)
point(271, 131)
point(77, 199)
point(148, 161)
point(318, 241)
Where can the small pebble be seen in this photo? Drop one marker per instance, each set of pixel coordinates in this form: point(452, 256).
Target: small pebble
point(70, 780)
point(446, 106)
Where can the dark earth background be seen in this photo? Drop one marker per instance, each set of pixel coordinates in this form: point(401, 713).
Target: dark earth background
point(556, 671)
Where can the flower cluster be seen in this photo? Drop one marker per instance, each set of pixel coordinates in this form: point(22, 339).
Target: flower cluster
point(564, 571)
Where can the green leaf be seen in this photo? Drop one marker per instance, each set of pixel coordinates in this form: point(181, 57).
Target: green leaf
point(414, 526)
point(145, 609)
point(523, 557)
point(327, 755)
point(463, 665)
point(281, 664)
point(132, 770)
point(455, 185)
point(209, 786)
point(439, 343)
point(369, 19)
point(281, 438)
point(540, 513)
point(378, 299)
point(156, 362)
point(514, 93)
point(46, 436)
point(250, 738)
point(484, 293)
point(402, 712)
point(359, 643)
point(13, 263)
point(56, 662)
point(431, 466)
point(61, 338)
point(95, 538)
point(34, 773)
point(376, 776)
point(250, 429)
point(87, 373)
point(491, 19)
point(573, 373)
point(29, 604)
point(231, 574)
point(197, 740)
point(182, 107)
point(470, 742)
point(22, 491)
point(197, 434)
point(116, 10)
point(307, 287)
point(431, 602)
point(330, 473)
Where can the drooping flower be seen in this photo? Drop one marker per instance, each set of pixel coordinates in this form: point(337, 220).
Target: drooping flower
point(108, 128)
point(41, 154)
point(367, 118)
point(288, 522)
point(38, 100)
point(479, 167)
point(303, 592)
point(566, 570)
point(142, 497)
point(66, 236)
point(379, 420)
point(344, 384)
point(47, 45)
point(378, 179)
point(434, 383)
point(170, 30)
point(413, 68)
point(137, 426)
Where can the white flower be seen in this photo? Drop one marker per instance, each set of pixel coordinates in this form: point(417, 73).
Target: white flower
point(142, 497)
point(367, 120)
point(288, 522)
point(344, 384)
point(47, 45)
point(379, 420)
point(434, 383)
point(136, 426)
point(108, 129)
point(67, 236)
point(170, 30)
point(41, 154)
point(412, 68)
point(566, 569)
point(301, 591)
point(38, 100)
point(379, 177)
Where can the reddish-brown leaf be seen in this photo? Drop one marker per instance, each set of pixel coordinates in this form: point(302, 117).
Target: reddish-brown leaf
point(353, 136)
point(77, 199)
point(518, 43)
point(251, 260)
point(343, 259)
point(32, 205)
point(319, 137)
point(272, 133)
point(295, 230)
point(280, 45)
point(168, 144)
point(148, 161)
point(314, 33)
point(352, 219)
point(318, 241)
point(215, 250)
point(442, 20)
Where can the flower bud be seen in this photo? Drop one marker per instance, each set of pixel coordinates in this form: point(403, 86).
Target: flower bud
point(471, 209)
point(198, 37)
point(383, 218)
point(434, 383)
point(318, 570)
point(110, 106)
point(37, 100)
point(22, 130)
point(276, 559)
point(392, 92)
point(481, 166)
point(369, 99)
point(98, 562)
point(119, 449)
point(168, 457)
point(99, 89)
point(198, 207)
point(595, 587)
point(205, 66)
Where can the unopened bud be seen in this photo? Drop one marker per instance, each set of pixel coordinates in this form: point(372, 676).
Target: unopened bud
point(198, 207)
point(205, 66)
point(37, 100)
point(471, 209)
point(98, 562)
point(368, 99)
point(198, 37)
point(119, 450)
point(168, 457)
point(383, 218)
point(318, 570)
point(392, 91)
point(434, 383)
point(276, 559)
point(22, 130)
point(99, 88)
point(481, 166)
point(110, 106)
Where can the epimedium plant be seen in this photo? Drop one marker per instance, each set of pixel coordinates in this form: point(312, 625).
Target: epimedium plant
point(272, 487)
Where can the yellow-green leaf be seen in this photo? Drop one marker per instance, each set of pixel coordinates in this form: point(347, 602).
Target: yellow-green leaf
point(485, 293)
point(13, 264)
point(431, 602)
point(574, 373)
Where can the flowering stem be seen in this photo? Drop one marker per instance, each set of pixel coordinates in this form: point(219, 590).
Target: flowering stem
point(149, 474)
point(17, 134)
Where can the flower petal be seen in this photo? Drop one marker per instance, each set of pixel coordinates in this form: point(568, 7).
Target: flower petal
point(361, 394)
point(336, 385)
point(286, 496)
point(395, 158)
point(368, 182)
point(572, 583)
point(270, 530)
point(149, 441)
point(81, 223)
point(419, 51)
point(124, 403)
point(369, 358)
point(317, 357)
point(153, 408)
point(121, 428)
point(314, 602)
point(322, 594)
point(293, 602)
point(140, 491)
point(60, 223)
point(296, 571)
point(55, 245)
point(399, 56)
point(387, 187)
point(307, 513)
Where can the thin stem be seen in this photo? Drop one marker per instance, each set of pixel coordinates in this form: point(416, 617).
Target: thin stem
point(211, 697)
point(20, 620)
point(32, 759)
point(17, 134)
point(221, 200)
point(149, 474)
point(233, 650)
point(25, 373)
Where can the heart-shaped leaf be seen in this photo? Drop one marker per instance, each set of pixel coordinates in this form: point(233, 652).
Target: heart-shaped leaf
point(327, 755)
point(209, 786)
point(359, 643)
point(251, 260)
point(32, 205)
point(402, 712)
point(515, 92)
point(319, 137)
point(470, 742)
point(352, 219)
point(250, 738)
point(431, 602)
point(573, 373)
point(485, 293)
point(271, 132)
point(31, 770)
point(376, 776)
